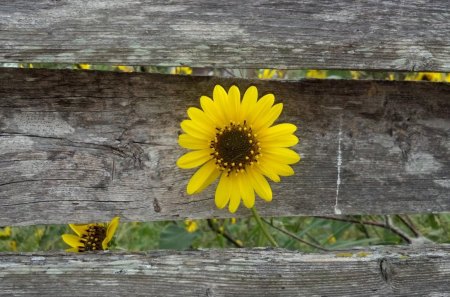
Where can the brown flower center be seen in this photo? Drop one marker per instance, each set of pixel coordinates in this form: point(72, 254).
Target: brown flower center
point(235, 146)
point(93, 238)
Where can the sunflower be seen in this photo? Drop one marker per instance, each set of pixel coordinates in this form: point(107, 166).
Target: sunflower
point(91, 237)
point(235, 141)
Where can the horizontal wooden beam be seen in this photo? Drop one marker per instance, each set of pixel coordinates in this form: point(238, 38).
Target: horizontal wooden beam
point(369, 34)
point(79, 146)
point(386, 271)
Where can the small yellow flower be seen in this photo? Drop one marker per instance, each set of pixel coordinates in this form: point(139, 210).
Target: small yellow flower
point(234, 141)
point(181, 70)
point(84, 66)
point(125, 68)
point(316, 74)
point(91, 237)
point(270, 73)
point(13, 245)
point(356, 74)
point(5, 232)
point(191, 226)
point(427, 76)
point(233, 221)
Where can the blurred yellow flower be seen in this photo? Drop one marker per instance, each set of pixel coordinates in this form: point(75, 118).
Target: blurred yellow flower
point(234, 141)
point(125, 68)
point(91, 237)
point(13, 246)
point(356, 74)
point(233, 220)
point(270, 73)
point(181, 70)
point(191, 226)
point(5, 232)
point(84, 66)
point(427, 76)
point(316, 74)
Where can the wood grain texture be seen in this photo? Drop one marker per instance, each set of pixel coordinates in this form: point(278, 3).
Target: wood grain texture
point(369, 34)
point(387, 271)
point(79, 146)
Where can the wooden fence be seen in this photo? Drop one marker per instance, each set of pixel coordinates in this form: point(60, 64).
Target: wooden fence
point(80, 146)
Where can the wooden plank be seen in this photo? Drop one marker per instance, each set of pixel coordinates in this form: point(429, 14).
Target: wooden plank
point(80, 146)
point(387, 271)
point(369, 34)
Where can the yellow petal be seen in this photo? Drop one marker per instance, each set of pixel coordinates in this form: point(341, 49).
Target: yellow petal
point(281, 155)
point(280, 141)
point(260, 184)
point(221, 102)
point(79, 229)
point(267, 171)
point(248, 103)
point(222, 195)
point(261, 108)
point(73, 250)
point(200, 118)
point(235, 195)
point(194, 159)
point(266, 119)
point(277, 131)
point(72, 240)
point(191, 128)
point(277, 167)
point(112, 227)
point(190, 142)
point(212, 111)
point(214, 175)
point(234, 96)
point(247, 192)
point(201, 176)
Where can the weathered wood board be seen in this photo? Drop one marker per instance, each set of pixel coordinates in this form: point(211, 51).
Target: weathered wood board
point(79, 146)
point(369, 34)
point(387, 271)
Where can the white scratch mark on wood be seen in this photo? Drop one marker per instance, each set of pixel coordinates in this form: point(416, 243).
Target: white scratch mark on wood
point(339, 163)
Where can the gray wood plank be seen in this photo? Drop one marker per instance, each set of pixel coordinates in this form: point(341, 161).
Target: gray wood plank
point(369, 34)
point(386, 271)
point(80, 146)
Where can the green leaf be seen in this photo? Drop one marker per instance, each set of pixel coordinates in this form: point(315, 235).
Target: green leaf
point(176, 238)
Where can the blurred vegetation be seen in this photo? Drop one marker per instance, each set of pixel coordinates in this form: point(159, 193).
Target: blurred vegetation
point(307, 234)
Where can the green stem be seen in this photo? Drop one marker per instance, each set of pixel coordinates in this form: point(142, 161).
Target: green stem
point(263, 227)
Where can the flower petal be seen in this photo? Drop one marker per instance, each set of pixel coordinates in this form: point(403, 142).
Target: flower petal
point(277, 131)
point(247, 192)
point(189, 142)
point(281, 155)
point(190, 127)
point(79, 229)
point(234, 97)
point(280, 141)
point(214, 175)
point(72, 240)
point(222, 103)
point(201, 176)
point(200, 119)
point(194, 159)
point(267, 171)
point(266, 119)
point(222, 192)
point(248, 103)
point(261, 108)
point(212, 111)
point(277, 167)
point(112, 226)
point(235, 195)
point(260, 184)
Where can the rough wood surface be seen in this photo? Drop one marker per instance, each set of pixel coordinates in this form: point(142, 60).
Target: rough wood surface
point(387, 271)
point(83, 146)
point(369, 34)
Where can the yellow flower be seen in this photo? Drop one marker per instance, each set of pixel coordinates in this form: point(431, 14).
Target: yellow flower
point(5, 232)
point(181, 70)
point(235, 141)
point(125, 68)
point(270, 73)
point(91, 237)
point(427, 76)
point(191, 226)
point(356, 74)
point(13, 245)
point(84, 66)
point(316, 74)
